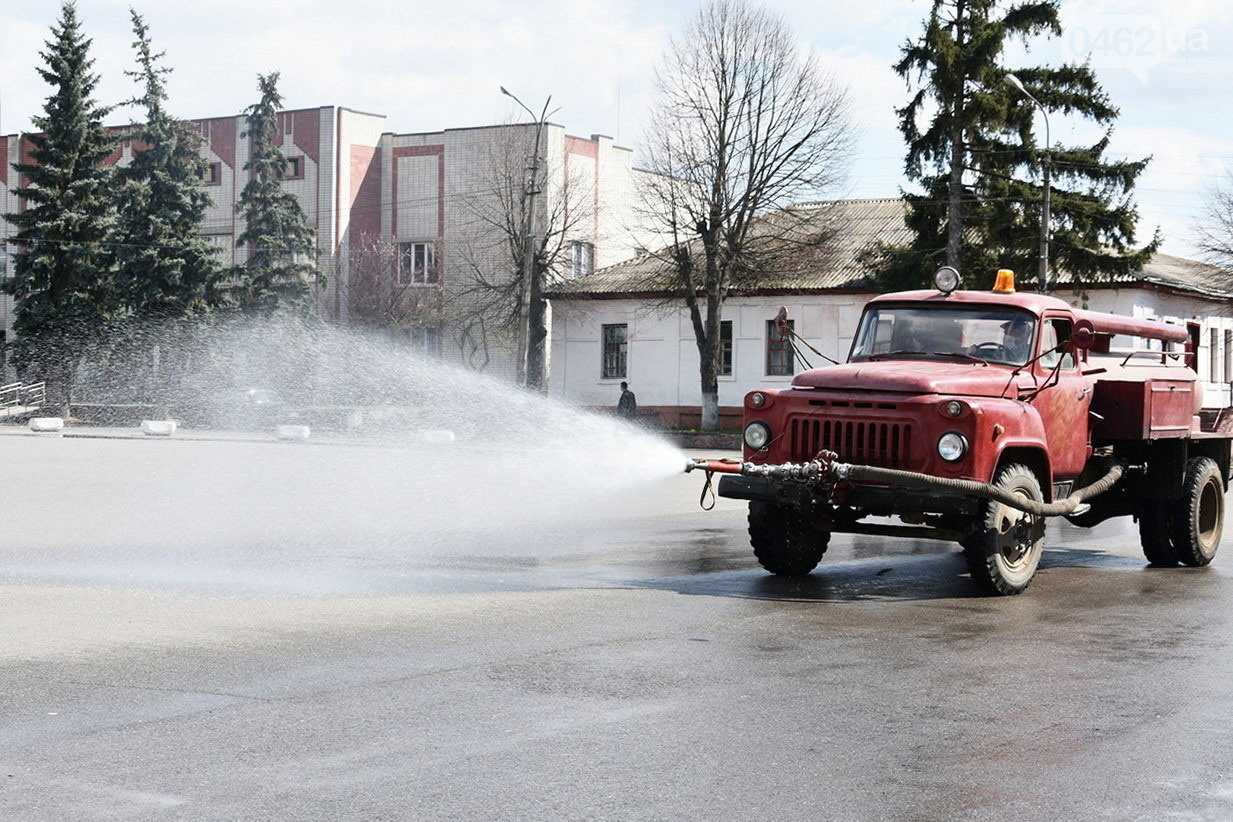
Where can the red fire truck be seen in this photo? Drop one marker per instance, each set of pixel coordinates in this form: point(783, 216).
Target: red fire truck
point(974, 415)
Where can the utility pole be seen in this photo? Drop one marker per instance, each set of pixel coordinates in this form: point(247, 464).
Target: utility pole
point(1042, 276)
point(954, 185)
point(531, 307)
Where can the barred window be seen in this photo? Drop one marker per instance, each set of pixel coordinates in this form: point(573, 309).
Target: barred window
point(778, 351)
point(615, 351)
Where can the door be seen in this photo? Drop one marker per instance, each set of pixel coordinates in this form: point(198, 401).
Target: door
point(1064, 401)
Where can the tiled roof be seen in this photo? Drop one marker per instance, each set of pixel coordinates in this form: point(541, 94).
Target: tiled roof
point(1179, 273)
point(851, 229)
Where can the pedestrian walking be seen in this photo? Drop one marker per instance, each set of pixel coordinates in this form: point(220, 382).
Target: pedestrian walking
point(627, 406)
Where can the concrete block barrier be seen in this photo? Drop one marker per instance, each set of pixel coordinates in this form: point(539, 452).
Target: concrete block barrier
point(158, 428)
point(46, 425)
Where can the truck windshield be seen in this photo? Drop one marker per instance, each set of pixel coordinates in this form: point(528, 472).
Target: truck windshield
point(991, 334)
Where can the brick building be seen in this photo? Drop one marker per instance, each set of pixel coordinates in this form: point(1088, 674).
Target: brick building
point(420, 203)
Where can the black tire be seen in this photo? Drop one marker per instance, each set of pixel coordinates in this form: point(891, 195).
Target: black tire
point(1004, 554)
point(782, 541)
point(1155, 534)
point(1198, 517)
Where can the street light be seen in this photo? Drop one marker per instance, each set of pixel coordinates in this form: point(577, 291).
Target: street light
point(1042, 278)
point(532, 289)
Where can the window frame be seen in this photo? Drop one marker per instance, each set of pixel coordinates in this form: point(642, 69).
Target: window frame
point(1214, 361)
point(727, 348)
point(213, 174)
point(613, 365)
point(294, 168)
point(1228, 355)
point(426, 339)
point(432, 271)
point(776, 345)
point(580, 264)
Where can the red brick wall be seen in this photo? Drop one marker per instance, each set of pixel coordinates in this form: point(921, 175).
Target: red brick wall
point(364, 202)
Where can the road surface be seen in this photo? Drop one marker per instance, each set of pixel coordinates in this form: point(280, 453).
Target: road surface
point(175, 659)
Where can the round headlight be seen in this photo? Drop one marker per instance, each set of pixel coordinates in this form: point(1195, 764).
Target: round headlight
point(757, 399)
point(946, 279)
point(952, 446)
point(757, 435)
point(952, 409)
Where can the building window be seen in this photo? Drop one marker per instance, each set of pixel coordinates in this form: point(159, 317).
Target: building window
point(581, 259)
point(1228, 356)
point(212, 174)
point(616, 343)
point(427, 339)
point(778, 351)
point(1213, 355)
point(221, 247)
point(417, 264)
point(725, 348)
point(294, 169)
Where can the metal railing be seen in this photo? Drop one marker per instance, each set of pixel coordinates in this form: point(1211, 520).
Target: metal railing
point(20, 398)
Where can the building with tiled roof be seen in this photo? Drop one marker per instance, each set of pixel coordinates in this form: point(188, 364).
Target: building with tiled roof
point(621, 323)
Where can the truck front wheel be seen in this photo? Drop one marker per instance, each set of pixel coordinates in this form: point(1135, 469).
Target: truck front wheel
point(782, 540)
point(1004, 554)
point(1198, 517)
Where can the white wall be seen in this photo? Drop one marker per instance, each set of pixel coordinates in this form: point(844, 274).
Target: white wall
point(663, 358)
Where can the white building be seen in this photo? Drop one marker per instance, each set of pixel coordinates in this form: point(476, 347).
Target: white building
point(611, 327)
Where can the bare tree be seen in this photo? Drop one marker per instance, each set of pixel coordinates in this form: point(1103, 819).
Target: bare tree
point(501, 297)
point(378, 296)
point(744, 123)
point(1215, 232)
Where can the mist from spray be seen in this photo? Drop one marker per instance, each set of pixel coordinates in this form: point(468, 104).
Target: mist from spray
point(379, 480)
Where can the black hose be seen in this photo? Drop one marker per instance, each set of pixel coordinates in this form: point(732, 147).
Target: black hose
point(983, 490)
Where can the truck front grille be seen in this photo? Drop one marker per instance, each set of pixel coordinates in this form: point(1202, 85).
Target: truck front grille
point(884, 444)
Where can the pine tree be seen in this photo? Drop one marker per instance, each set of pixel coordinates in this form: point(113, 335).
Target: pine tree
point(281, 265)
point(964, 118)
point(64, 291)
point(164, 267)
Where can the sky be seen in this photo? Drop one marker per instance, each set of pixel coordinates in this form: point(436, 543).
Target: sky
point(432, 65)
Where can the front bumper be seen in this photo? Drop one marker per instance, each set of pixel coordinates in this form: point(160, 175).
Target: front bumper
point(872, 499)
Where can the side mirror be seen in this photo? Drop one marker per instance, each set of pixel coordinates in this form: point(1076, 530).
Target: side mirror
point(1084, 335)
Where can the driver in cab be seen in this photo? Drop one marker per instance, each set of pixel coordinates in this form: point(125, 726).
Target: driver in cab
point(1017, 341)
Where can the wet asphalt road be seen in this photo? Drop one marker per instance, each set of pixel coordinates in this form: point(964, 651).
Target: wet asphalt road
point(612, 666)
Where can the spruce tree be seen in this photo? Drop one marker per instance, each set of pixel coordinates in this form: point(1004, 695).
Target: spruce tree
point(966, 120)
point(164, 267)
point(281, 265)
point(64, 291)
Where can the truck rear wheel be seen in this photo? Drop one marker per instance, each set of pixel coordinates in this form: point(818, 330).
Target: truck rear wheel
point(1198, 517)
point(782, 541)
point(1155, 535)
point(1004, 555)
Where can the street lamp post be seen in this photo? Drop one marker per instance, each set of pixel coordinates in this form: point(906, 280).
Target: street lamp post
point(1042, 278)
point(530, 294)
